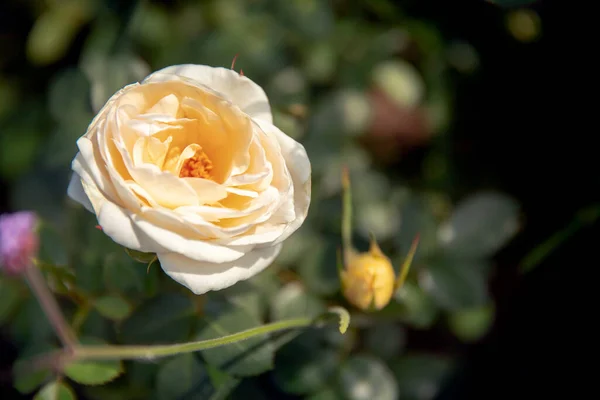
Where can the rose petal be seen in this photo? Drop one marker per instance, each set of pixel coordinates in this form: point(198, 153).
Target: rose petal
point(176, 238)
point(76, 192)
point(116, 222)
point(164, 187)
point(203, 277)
point(240, 90)
point(299, 167)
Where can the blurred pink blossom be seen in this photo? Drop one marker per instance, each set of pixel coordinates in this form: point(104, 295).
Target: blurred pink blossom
point(18, 241)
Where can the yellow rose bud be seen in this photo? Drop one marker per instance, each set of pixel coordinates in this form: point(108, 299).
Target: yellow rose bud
point(368, 281)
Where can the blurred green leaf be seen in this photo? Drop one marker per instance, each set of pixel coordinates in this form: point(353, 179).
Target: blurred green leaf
point(24, 379)
point(415, 219)
point(292, 301)
point(385, 340)
point(325, 394)
point(471, 324)
point(69, 99)
point(112, 307)
point(55, 29)
point(420, 376)
point(20, 140)
point(342, 113)
point(223, 383)
point(108, 74)
point(311, 18)
point(31, 314)
point(93, 372)
point(246, 358)
point(142, 376)
point(52, 249)
point(318, 267)
point(417, 307)
point(456, 284)
point(401, 82)
point(367, 378)
point(141, 257)
point(287, 87)
point(302, 370)
point(480, 225)
point(319, 61)
point(183, 376)
point(95, 325)
point(9, 298)
point(249, 389)
point(164, 319)
point(56, 390)
point(122, 274)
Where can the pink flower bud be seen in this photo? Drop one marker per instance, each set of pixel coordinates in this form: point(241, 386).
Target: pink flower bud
point(18, 241)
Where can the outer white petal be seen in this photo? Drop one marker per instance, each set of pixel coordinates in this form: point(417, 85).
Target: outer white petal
point(238, 89)
point(299, 166)
point(76, 192)
point(202, 277)
point(174, 238)
point(118, 225)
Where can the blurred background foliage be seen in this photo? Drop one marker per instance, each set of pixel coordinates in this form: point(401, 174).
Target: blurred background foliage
point(368, 83)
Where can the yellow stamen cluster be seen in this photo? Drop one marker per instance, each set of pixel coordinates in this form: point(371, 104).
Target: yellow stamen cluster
point(197, 166)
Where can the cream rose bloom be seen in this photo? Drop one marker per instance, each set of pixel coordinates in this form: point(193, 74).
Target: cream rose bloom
point(187, 164)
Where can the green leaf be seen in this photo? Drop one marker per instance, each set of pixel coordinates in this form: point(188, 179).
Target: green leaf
point(70, 90)
point(318, 267)
point(401, 82)
point(95, 372)
point(419, 376)
point(144, 258)
point(301, 370)
point(471, 324)
point(56, 390)
point(9, 299)
point(416, 218)
point(31, 314)
point(52, 250)
point(108, 74)
point(122, 274)
point(245, 358)
point(183, 376)
point(95, 325)
point(54, 30)
point(311, 18)
point(325, 394)
point(367, 378)
point(385, 340)
point(417, 307)
point(164, 319)
point(292, 301)
point(112, 307)
point(456, 284)
point(25, 380)
point(480, 225)
point(223, 383)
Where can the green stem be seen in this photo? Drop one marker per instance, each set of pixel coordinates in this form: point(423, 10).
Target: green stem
point(584, 217)
point(151, 352)
point(346, 213)
point(155, 351)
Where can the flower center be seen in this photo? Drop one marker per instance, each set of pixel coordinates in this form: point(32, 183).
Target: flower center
point(197, 166)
